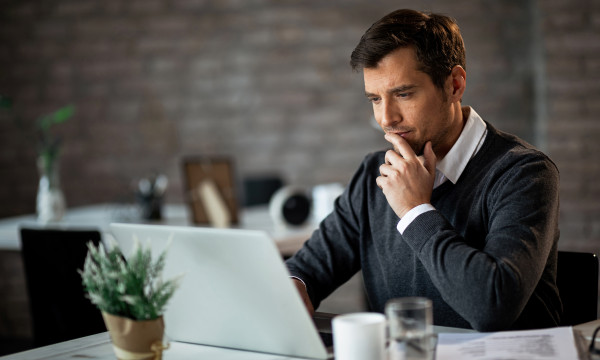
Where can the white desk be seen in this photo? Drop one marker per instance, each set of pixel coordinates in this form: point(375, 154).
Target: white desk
point(288, 240)
point(99, 347)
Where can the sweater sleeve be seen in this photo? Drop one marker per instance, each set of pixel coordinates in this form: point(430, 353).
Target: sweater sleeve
point(331, 256)
point(490, 286)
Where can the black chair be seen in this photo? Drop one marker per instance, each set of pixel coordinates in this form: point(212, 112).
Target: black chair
point(59, 309)
point(577, 281)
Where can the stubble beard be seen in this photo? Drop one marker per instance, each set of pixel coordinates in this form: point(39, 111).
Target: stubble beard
point(436, 139)
point(439, 137)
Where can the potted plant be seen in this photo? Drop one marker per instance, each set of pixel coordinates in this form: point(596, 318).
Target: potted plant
point(50, 201)
point(131, 296)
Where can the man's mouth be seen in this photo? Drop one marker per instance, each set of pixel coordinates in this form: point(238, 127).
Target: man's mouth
point(401, 133)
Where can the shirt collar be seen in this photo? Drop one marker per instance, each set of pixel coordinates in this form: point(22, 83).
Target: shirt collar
point(467, 145)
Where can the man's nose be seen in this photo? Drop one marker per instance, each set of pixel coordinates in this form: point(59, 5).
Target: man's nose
point(390, 116)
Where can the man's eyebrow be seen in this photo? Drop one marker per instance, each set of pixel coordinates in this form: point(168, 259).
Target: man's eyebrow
point(402, 88)
point(395, 90)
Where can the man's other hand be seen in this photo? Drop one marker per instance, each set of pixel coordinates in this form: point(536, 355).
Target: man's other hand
point(304, 295)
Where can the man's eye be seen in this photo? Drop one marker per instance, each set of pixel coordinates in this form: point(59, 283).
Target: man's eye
point(402, 95)
point(374, 99)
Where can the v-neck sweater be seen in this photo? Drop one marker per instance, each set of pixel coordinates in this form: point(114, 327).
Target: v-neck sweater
point(486, 256)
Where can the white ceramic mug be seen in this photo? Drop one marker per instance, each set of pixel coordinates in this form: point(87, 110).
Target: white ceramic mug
point(359, 336)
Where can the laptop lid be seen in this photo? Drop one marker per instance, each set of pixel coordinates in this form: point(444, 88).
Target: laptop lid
point(235, 292)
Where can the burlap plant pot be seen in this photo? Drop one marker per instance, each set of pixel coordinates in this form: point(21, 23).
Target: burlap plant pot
point(136, 340)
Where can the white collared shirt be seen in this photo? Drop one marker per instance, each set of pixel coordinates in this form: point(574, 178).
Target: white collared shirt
point(453, 164)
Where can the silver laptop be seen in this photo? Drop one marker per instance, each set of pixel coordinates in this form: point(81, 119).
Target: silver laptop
point(235, 292)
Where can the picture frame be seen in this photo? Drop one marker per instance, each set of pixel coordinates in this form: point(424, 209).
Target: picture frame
point(218, 171)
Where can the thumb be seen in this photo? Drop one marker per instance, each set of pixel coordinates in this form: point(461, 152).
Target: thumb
point(430, 158)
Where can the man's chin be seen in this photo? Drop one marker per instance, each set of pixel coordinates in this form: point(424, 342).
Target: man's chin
point(418, 149)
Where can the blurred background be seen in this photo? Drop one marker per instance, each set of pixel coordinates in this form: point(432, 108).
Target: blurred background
point(267, 83)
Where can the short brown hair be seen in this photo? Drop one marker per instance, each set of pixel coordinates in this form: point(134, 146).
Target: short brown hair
point(436, 38)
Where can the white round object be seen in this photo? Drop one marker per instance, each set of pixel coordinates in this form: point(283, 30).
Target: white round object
point(290, 206)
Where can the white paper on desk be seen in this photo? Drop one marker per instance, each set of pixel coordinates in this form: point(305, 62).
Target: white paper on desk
point(545, 344)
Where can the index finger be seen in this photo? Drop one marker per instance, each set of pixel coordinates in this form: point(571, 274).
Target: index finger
point(401, 146)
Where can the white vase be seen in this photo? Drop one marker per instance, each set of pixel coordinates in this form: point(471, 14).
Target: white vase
point(50, 202)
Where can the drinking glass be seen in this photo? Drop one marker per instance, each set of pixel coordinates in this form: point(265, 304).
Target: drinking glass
point(410, 321)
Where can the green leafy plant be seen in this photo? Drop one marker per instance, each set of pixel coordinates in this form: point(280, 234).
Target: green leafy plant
point(131, 288)
point(48, 145)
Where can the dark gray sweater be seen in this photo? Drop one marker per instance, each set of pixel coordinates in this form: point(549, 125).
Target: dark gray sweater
point(486, 256)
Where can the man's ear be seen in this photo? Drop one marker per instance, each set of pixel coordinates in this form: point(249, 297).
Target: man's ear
point(458, 80)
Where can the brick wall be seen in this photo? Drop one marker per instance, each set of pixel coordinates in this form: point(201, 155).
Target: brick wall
point(572, 47)
point(268, 83)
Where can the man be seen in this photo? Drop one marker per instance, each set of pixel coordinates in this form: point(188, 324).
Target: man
point(458, 212)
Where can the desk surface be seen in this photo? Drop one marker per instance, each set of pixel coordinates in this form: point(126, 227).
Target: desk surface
point(99, 347)
point(288, 240)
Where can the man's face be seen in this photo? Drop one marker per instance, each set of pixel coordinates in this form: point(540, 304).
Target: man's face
point(406, 102)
